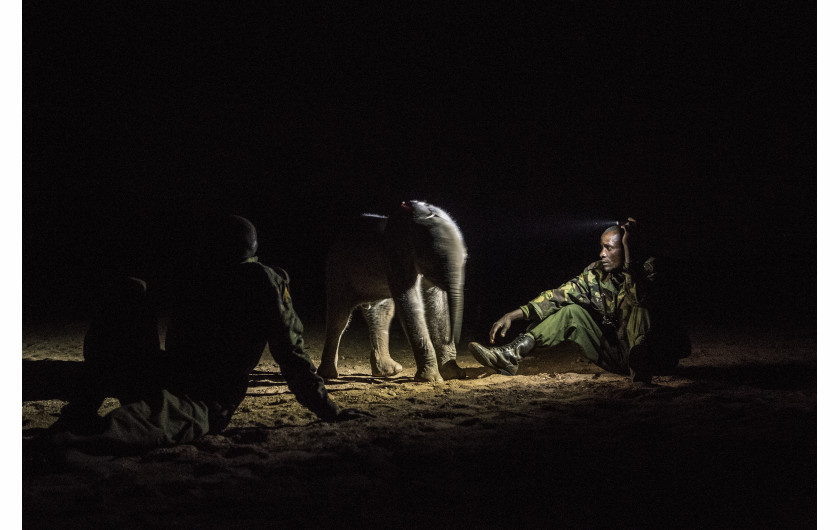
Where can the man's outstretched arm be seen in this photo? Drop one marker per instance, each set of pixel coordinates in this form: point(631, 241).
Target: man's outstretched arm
point(502, 325)
point(286, 346)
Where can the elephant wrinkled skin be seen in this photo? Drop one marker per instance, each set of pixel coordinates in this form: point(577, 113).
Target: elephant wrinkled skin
point(410, 264)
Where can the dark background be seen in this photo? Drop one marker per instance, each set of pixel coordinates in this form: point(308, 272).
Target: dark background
point(529, 125)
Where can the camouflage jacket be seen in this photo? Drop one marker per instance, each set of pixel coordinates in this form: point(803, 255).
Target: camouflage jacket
point(608, 296)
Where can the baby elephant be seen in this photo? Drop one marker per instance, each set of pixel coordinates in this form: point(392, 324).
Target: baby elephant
point(411, 262)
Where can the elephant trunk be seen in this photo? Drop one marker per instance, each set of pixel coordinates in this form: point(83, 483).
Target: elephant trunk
point(447, 272)
point(455, 297)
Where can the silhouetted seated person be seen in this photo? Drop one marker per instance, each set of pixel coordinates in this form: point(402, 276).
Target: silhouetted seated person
point(229, 307)
point(614, 311)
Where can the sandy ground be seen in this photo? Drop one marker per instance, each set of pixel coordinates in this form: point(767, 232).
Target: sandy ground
point(727, 442)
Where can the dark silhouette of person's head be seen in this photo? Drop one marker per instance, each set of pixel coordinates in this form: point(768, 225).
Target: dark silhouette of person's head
point(230, 239)
point(123, 298)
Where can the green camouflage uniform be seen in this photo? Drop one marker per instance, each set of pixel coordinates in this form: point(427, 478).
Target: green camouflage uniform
point(606, 314)
point(219, 329)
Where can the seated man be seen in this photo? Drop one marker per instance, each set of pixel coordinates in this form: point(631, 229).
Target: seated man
point(613, 310)
point(229, 306)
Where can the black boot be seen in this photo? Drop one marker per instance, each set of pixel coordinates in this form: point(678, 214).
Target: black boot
point(505, 358)
point(78, 419)
point(639, 362)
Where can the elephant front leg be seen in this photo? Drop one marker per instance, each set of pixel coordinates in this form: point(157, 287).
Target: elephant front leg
point(378, 316)
point(410, 311)
point(437, 320)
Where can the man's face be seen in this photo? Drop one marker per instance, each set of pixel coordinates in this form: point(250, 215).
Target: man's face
point(612, 251)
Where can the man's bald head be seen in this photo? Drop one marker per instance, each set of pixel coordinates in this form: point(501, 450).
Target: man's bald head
point(612, 229)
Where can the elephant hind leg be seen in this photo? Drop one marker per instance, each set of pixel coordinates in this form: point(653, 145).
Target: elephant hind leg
point(338, 316)
point(378, 316)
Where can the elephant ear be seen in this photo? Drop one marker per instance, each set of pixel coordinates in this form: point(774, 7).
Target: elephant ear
point(400, 263)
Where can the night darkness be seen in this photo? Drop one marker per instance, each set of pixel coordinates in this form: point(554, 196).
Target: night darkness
point(534, 126)
point(697, 119)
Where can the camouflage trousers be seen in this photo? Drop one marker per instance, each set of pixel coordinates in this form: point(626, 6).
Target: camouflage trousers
point(161, 419)
point(602, 345)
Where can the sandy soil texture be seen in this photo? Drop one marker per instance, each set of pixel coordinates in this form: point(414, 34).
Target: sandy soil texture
point(729, 441)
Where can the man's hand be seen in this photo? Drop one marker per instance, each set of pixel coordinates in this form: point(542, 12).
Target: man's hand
point(626, 229)
point(503, 324)
point(626, 236)
point(351, 414)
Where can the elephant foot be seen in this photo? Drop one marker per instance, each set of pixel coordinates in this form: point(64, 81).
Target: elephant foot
point(451, 370)
point(431, 375)
point(327, 371)
point(386, 368)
